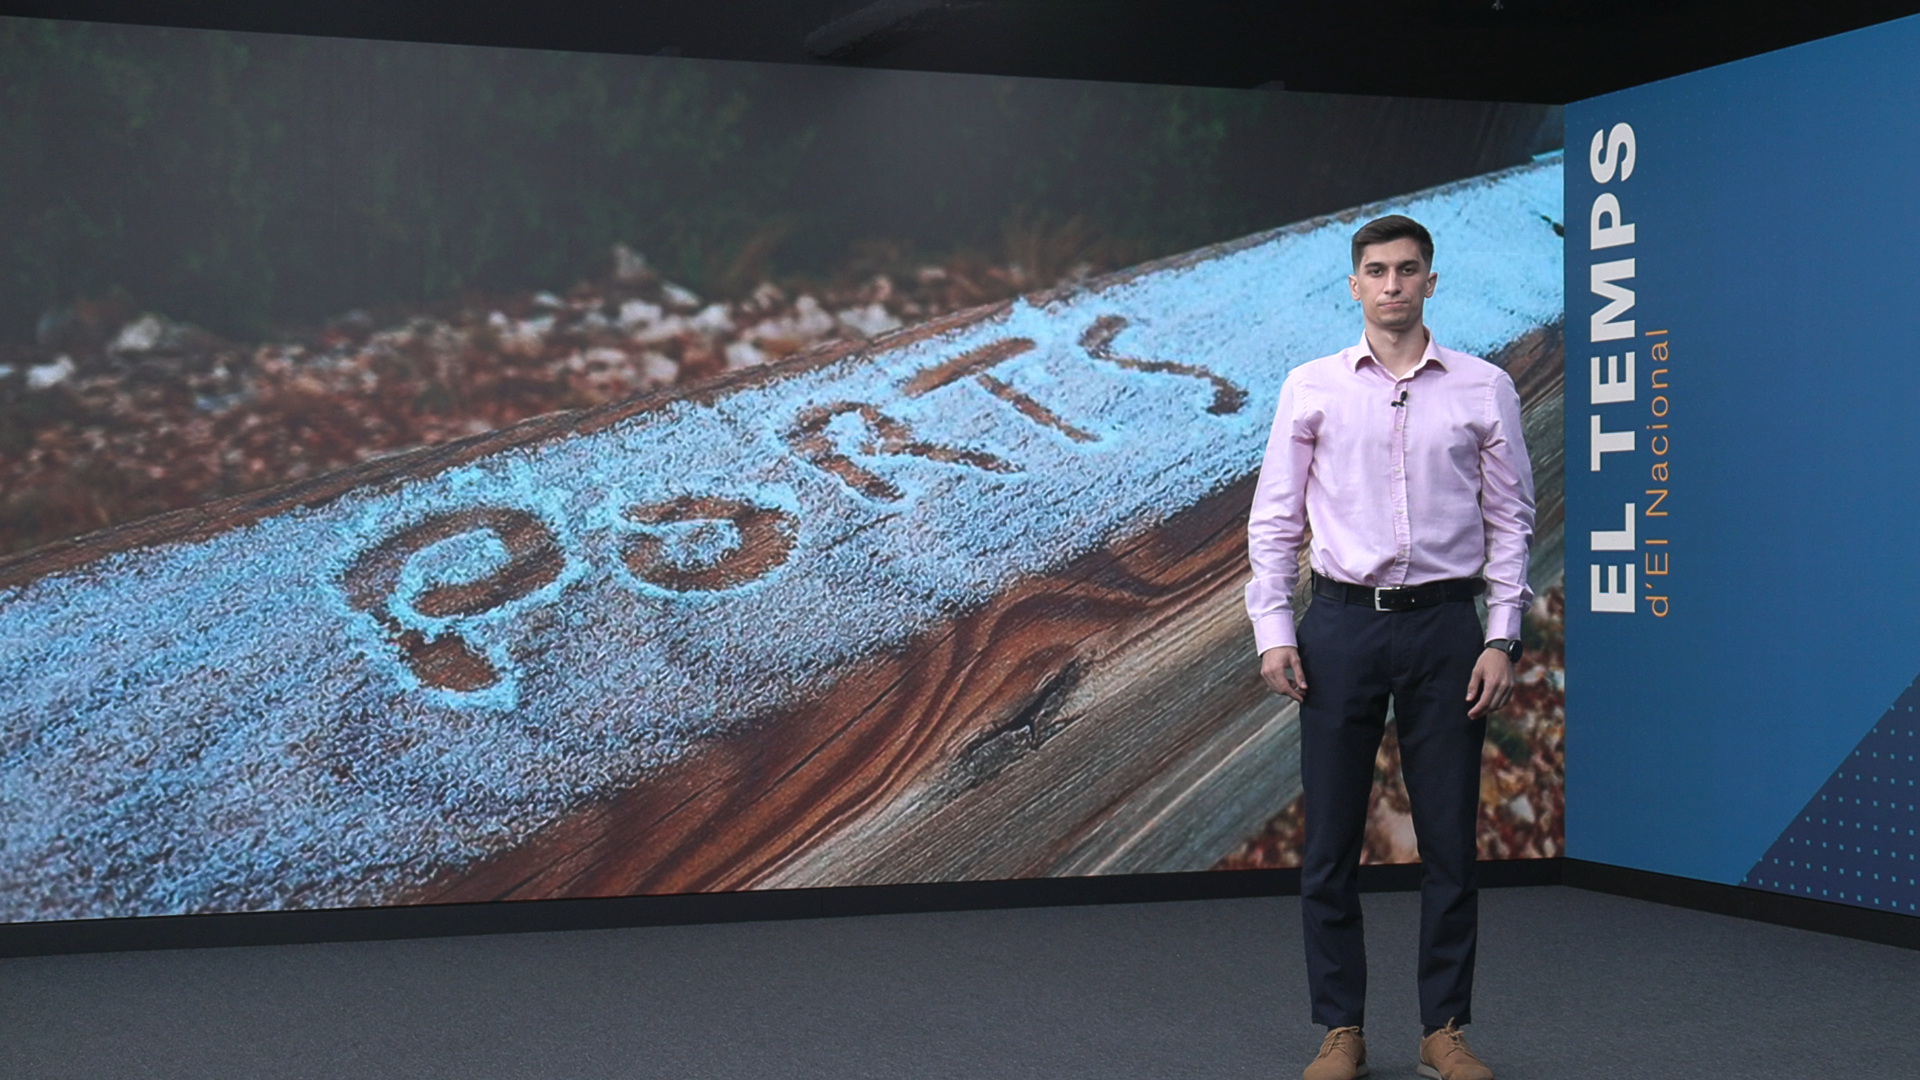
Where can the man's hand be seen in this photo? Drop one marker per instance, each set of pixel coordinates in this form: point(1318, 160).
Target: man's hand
point(1492, 683)
point(1280, 666)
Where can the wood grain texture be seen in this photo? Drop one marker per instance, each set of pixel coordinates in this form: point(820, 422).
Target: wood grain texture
point(1106, 719)
point(960, 602)
point(919, 750)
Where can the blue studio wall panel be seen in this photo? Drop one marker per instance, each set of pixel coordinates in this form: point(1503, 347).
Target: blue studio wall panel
point(1743, 372)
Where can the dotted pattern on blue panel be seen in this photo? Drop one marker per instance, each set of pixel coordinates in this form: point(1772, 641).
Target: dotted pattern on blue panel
point(1858, 839)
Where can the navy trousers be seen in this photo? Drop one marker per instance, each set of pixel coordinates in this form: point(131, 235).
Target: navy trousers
point(1356, 659)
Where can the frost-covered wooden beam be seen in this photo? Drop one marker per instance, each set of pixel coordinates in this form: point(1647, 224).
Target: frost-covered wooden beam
point(962, 602)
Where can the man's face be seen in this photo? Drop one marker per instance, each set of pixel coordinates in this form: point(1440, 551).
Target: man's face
point(1392, 284)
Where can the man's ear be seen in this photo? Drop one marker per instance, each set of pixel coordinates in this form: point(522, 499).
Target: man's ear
point(1432, 280)
point(1353, 286)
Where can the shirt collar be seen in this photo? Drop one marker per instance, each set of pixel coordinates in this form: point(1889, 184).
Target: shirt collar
point(1364, 351)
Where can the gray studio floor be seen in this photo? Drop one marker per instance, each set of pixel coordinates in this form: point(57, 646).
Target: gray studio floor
point(1572, 984)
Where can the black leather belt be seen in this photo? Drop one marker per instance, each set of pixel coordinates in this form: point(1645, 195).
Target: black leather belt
point(1404, 598)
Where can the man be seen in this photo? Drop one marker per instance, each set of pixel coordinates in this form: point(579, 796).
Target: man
point(1405, 463)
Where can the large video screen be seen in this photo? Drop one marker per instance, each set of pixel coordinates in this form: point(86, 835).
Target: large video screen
point(1742, 449)
point(446, 474)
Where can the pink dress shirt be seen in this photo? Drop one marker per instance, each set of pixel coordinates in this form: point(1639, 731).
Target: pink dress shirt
point(1438, 487)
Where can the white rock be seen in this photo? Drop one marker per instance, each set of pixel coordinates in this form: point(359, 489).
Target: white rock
point(869, 321)
point(658, 368)
point(713, 319)
point(742, 354)
point(635, 312)
point(666, 329)
point(810, 319)
point(44, 376)
point(524, 337)
point(679, 296)
point(140, 335)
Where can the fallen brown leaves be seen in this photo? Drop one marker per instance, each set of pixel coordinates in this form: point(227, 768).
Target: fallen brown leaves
point(141, 415)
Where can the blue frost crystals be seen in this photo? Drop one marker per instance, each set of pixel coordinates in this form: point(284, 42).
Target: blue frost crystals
point(334, 705)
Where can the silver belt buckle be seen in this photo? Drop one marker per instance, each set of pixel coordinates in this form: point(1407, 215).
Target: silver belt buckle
point(1378, 595)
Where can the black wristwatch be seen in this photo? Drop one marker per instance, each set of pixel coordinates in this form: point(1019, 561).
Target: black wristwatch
point(1507, 645)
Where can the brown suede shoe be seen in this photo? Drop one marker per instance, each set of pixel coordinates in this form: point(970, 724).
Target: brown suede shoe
point(1444, 1056)
point(1343, 1056)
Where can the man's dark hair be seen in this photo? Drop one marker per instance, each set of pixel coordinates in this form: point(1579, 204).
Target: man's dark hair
point(1388, 229)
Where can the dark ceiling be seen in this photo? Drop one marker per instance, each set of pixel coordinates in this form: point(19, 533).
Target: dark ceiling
point(1514, 50)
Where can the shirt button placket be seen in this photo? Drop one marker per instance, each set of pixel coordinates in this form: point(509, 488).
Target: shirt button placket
point(1402, 531)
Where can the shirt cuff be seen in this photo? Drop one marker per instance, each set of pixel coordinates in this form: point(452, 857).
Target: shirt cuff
point(1503, 621)
point(1273, 632)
